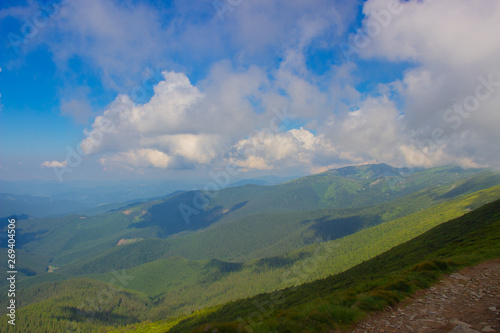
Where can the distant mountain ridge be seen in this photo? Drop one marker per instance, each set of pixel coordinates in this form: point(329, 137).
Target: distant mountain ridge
point(346, 187)
point(371, 171)
point(263, 181)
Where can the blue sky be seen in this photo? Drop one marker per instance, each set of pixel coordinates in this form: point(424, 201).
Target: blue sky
point(170, 89)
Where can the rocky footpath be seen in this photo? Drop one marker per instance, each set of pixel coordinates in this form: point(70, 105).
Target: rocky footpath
point(464, 302)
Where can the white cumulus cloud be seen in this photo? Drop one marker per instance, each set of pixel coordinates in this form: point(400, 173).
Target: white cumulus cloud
point(140, 158)
point(453, 46)
point(268, 150)
point(54, 164)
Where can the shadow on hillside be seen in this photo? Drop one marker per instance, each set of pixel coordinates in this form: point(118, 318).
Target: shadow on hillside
point(183, 212)
point(277, 262)
point(74, 314)
point(216, 269)
point(330, 229)
point(27, 271)
point(471, 186)
point(22, 238)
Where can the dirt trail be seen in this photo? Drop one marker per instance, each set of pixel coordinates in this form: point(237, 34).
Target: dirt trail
point(464, 302)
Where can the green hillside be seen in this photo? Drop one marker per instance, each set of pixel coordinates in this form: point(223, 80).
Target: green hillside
point(176, 286)
point(341, 299)
point(268, 234)
point(242, 247)
point(271, 273)
point(64, 240)
point(348, 187)
point(75, 306)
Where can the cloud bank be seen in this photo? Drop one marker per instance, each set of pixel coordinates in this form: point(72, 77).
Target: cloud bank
point(442, 108)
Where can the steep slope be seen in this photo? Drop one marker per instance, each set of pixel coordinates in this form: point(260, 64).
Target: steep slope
point(179, 286)
point(464, 300)
point(254, 250)
point(281, 271)
point(341, 299)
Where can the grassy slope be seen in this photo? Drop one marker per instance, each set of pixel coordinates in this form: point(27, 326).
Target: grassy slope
point(383, 237)
point(259, 276)
point(341, 299)
point(180, 286)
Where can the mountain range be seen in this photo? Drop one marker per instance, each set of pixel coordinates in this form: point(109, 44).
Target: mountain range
point(179, 258)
